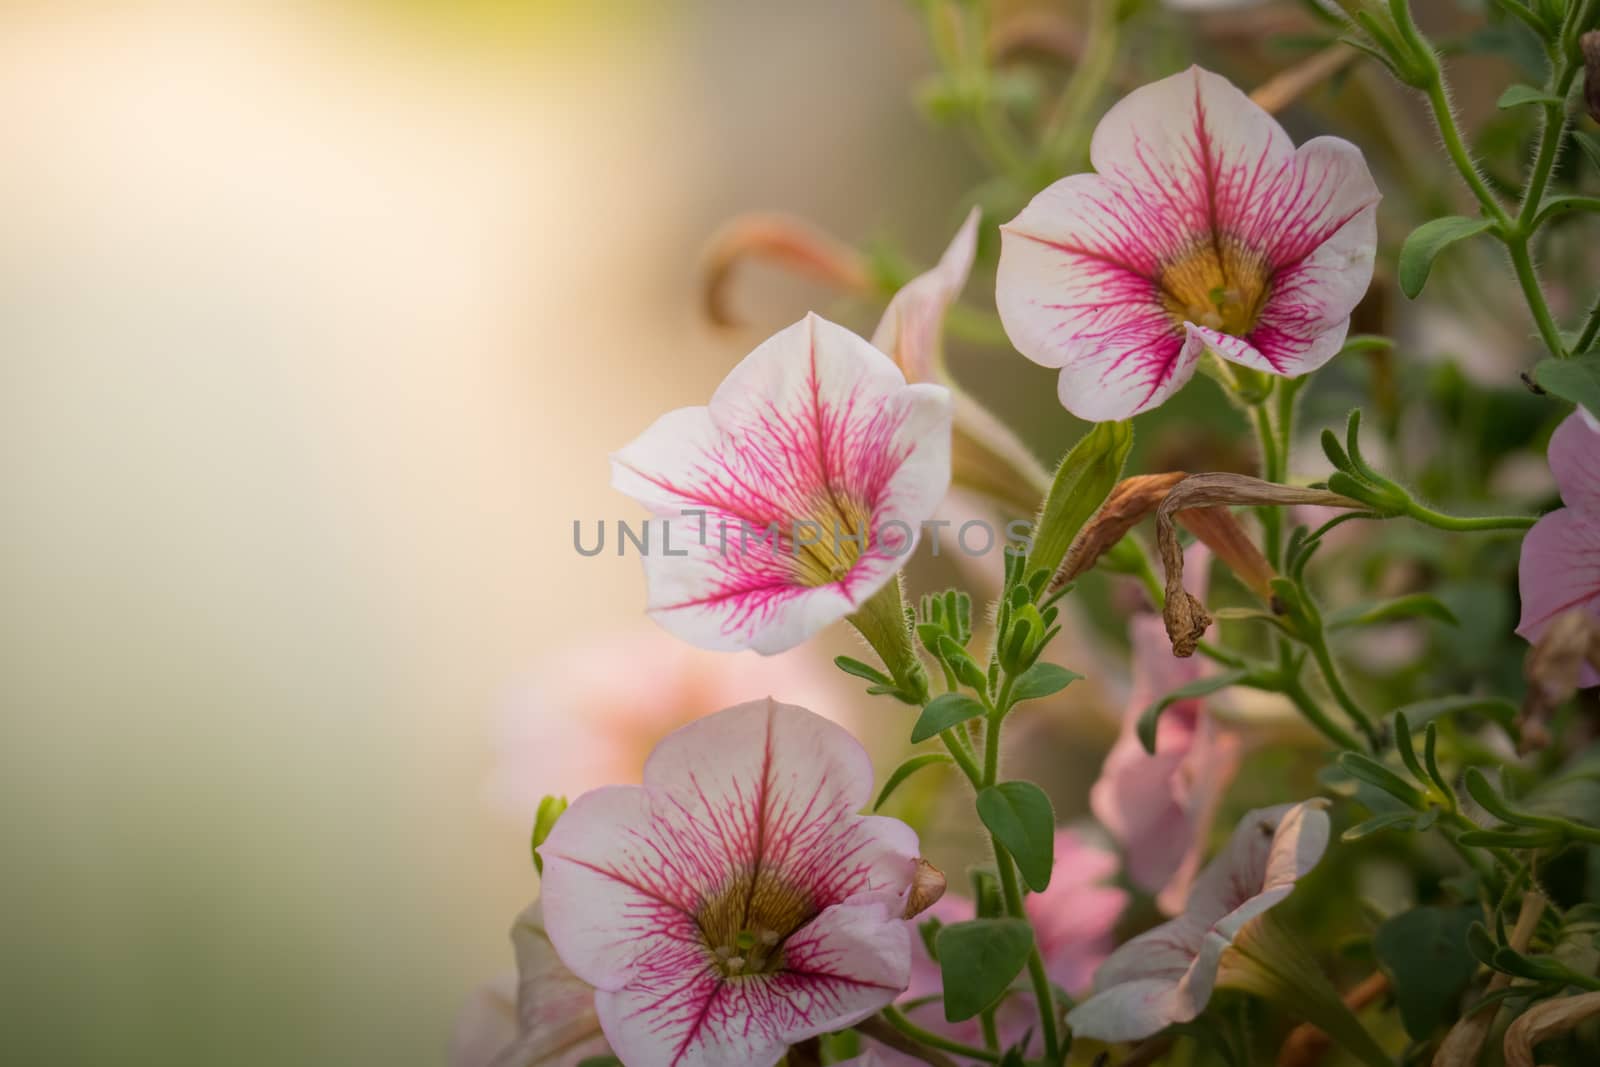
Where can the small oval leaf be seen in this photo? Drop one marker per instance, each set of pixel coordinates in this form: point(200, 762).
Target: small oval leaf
point(978, 961)
point(1022, 820)
point(943, 712)
point(1426, 242)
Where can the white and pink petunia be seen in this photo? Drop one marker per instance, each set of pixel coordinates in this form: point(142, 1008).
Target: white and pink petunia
point(544, 1017)
point(1160, 807)
point(1202, 229)
point(794, 496)
point(1166, 975)
point(735, 903)
point(1560, 567)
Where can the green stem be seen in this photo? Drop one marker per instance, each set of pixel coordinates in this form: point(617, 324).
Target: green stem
point(1295, 690)
point(1444, 118)
point(1591, 330)
point(1469, 523)
point(1272, 467)
point(897, 1019)
point(1522, 263)
point(957, 746)
point(1330, 675)
point(1064, 134)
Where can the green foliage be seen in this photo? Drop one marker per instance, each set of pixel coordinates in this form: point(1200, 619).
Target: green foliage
point(978, 961)
point(1576, 380)
point(1425, 243)
point(544, 821)
point(1425, 953)
point(1021, 819)
point(943, 712)
point(1042, 680)
point(906, 770)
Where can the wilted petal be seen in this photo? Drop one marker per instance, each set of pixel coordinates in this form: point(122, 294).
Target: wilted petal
point(735, 902)
point(1203, 228)
point(794, 496)
point(1166, 975)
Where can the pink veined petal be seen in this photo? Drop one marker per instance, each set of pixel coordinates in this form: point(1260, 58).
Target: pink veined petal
point(910, 327)
point(760, 786)
point(845, 965)
point(1559, 571)
point(1270, 850)
point(816, 428)
point(1077, 290)
point(1575, 461)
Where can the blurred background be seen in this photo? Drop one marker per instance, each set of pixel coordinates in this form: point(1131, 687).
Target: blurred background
point(317, 323)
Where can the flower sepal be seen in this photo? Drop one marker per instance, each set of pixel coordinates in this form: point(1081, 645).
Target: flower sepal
point(886, 625)
point(1269, 962)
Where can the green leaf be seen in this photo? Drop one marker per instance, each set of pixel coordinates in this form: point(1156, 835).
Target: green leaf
point(943, 712)
point(1414, 606)
point(1200, 687)
point(1374, 773)
point(1426, 242)
point(1576, 380)
point(1389, 820)
point(1041, 680)
point(906, 770)
point(550, 809)
point(1522, 95)
point(1021, 819)
point(1085, 478)
point(1426, 955)
point(978, 961)
point(862, 670)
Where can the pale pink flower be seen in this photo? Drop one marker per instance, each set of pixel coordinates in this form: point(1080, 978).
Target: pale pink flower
point(1166, 975)
point(1560, 566)
point(542, 1018)
point(594, 708)
point(1160, 807)
point(794, 496)
point(1203, 228)
point(735, 903)
point(1074, 920)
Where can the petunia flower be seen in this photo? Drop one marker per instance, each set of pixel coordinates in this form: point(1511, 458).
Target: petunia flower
point(1160, 807)
point(735, 903)
point(1203, 229)
point(1074, 920)
point(794, 497)
point(1166, 975)
point(1560, 566)
point(543, 1018)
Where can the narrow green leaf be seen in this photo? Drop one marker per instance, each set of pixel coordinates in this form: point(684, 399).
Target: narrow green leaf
point(943, 712)
point(978, 961)
point(1414, 606)
point(1408, 751)
point(1522, 95)
point(1376, 774)
point(1389, 820)
point(1021, 819)
point(1428, 960)
point(906, 770)
point(862, 670)
point(1041, 680)
point(1576, 380)
point(1151, 716)
point(1426, 242)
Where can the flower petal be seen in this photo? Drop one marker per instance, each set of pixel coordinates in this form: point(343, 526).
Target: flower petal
point(911, 324)
point(1271, 849)
point(815, 437)
point(763, 786)
point(1077, 289)
point(1559, 570)
point(845, 965)
point(556, 1016)
point(1575, 461)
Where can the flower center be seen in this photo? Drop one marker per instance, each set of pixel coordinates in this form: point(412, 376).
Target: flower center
point(746, 923)
point(1220, 284)
point(826, 546)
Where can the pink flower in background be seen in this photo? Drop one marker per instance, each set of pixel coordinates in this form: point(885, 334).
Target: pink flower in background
point(1560, 566)
point(735, 903)
point(1074, 920)
point(1166, 975)
point(1160, 808)
point(808, 476)
point(1203, 228)
point(595, 708)
point(543, 1018)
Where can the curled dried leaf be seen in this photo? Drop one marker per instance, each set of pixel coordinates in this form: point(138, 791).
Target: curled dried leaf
point(927, 887)
point(1185, 616)
point(1125, 507)
point(1545, 1020)
point(786, 241)
point(1222, 532)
